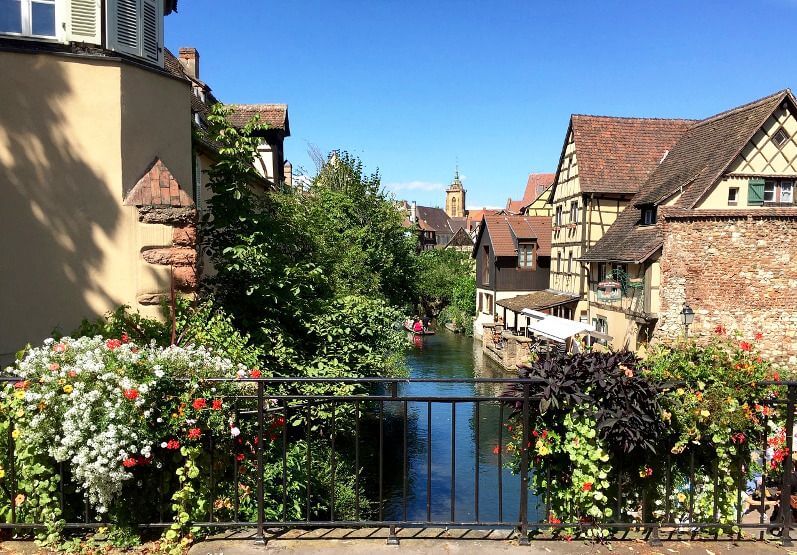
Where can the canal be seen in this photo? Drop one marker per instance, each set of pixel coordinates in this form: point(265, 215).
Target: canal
point(447, 355)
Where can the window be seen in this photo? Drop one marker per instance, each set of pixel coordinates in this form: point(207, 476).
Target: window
point(559, 262)
point(574, 212)
point(733, 196)
point(769, 191)
point(649, 215)
point(489, 303)
point(481, 302)
point(601, 271)
point(35, 18)
point(601, 326)
point(558, 220)
point(786, 192)
point(570, 262)
point(486, 265)
point(780, 137)
point(526, 256)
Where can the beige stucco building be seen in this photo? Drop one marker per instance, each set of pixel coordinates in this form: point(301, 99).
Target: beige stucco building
point(97, 166)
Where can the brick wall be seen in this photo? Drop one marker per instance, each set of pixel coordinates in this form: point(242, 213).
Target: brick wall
point(739, 272)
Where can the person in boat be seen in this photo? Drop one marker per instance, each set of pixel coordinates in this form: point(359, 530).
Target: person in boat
point(417, 326)
point(425, 321)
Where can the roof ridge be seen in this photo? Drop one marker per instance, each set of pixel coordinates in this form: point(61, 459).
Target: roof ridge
point(743, 107)
point(279, 104)
point(632, 118)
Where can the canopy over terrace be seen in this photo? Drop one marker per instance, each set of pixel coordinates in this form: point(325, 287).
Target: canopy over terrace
point(536, 300)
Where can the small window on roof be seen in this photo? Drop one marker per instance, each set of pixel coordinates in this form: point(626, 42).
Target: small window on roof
point(649, 215)
point(780, 137)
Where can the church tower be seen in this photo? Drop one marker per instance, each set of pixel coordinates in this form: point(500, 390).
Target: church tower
point(455, 198)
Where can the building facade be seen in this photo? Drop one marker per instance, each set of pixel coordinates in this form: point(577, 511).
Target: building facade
point(710, 228)
point(602, 162)
point(97, 163)
point(512, 256)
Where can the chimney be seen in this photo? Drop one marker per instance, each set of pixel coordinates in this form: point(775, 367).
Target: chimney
point(287, 172)
point(189, 58)
point(414, 212)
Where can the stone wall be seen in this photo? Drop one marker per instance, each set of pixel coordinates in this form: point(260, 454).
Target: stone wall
point(739, 272)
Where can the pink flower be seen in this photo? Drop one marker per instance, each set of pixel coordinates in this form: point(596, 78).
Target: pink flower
point(59, 348)
point(719, 329)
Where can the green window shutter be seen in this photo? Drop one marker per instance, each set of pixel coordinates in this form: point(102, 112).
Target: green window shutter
point(755, 192)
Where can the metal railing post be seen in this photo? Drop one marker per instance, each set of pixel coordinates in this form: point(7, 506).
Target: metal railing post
point(786, 485)
point(525, 439)
point(261, 509)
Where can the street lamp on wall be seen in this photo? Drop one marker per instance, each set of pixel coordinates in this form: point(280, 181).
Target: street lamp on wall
point(687, 317)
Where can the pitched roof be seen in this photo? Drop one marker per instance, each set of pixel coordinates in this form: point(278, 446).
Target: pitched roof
point(273, 115)
point(455, 224)
point(432, 219)
point(616, 154)
point(535, 186)
point(706, 150)
point(157, 187)
point(460, 239)
point(506, 230)
point(695, 163)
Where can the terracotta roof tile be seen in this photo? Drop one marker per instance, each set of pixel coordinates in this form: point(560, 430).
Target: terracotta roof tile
point(273, 115)
point(693, 165)
point(158, 187)
point(537, 300)
point(616, 155)
point(536, 184)
point(506, 230)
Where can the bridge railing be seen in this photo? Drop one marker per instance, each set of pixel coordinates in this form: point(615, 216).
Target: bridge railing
point(382, 440)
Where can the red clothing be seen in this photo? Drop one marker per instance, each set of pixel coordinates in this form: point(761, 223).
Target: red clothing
point(417, 326)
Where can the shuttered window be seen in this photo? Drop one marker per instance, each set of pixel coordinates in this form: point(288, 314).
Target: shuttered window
point(84, 21)
point(135, 27)
point(755, 192)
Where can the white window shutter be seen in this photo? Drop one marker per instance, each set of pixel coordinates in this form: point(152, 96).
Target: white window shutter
point(123, 18)
point(83, 21)
point(152, 30)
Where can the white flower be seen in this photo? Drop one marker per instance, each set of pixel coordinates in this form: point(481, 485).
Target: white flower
point(235, 432)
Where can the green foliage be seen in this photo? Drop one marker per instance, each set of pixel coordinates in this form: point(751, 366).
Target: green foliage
point(447, 284)
point(599, 419)
point(358, 232)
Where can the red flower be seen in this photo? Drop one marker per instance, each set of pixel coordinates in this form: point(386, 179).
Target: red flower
point(125, 338)
point(199, 404)
point(71, 373)
point(172, 444)
point(280, 421)
point(496, 450)
point(776, 376)
point(648, 471)
point(535, 433)
point(719, 329)
point(239, 457)
point(143, 461)
point(587, 486)
point(131, 394)
point(113, 344)
point(194, 433)
point(255, 373)
point(553, 520)
point(745, 346)
point(129, 462)
point(216, 404)
point(738, 438)
point(759, 336)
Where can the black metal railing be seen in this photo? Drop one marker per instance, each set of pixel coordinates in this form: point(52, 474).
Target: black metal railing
point(385, 421)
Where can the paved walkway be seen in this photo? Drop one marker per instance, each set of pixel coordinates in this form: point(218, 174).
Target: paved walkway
point(459, 542)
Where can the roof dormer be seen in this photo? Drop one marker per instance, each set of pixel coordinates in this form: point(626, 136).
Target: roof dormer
point(132, 27)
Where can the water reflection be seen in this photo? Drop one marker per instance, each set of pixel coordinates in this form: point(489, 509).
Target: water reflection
point(448, 356)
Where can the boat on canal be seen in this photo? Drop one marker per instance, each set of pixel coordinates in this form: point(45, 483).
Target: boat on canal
point(408, 325)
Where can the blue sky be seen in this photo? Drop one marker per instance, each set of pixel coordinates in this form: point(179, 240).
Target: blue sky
point(413, 86)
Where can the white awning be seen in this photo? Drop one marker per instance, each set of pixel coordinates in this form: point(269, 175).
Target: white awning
point(558, 329)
